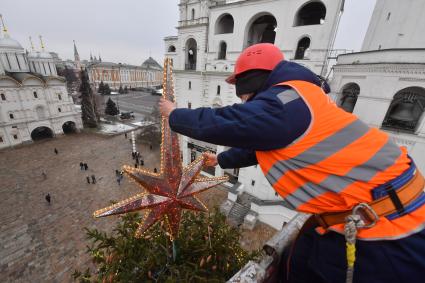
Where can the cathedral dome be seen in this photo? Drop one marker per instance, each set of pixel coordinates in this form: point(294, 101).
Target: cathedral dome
point(9, 43)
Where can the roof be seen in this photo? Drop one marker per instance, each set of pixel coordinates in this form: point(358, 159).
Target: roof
point(21, 76)
point(8, 42)
point(41, 55)
point(150, 63)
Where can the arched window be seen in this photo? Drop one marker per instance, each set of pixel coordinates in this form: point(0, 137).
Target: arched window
point(218, 89)
point(313, 13)
point(350, 93)
point(406, 110)
point(222, 51)
point(171, 48)
point(303, 45)
point(193, 14)
point(225, 24)
point(191, 54)
point(261, 30)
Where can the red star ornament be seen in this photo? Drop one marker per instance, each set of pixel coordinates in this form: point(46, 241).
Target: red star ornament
point(172, 190)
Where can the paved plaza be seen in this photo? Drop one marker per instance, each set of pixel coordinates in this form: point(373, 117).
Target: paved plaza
point(141, 103)
point(45, 243)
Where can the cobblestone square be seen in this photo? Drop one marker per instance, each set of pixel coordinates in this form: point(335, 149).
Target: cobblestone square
point(46, 243)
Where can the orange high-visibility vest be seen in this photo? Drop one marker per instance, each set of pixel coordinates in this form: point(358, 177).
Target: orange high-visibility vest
point(336, 163)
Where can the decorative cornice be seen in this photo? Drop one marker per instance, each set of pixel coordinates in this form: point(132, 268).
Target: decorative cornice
point(416, 69)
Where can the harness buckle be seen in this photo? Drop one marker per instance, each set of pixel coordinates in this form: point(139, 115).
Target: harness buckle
point(368, 216)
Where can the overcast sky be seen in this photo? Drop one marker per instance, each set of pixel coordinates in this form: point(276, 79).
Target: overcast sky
point(128, 31)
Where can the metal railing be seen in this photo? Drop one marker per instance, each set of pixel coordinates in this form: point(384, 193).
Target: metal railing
point(266, 269)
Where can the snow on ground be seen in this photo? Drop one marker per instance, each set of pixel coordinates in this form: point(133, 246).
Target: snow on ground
point(115, 128)
point(143, 123)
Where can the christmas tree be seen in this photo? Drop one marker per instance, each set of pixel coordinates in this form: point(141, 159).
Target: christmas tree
point(111, 108)
point(101, 88)
point(107, 89)
point(208, 251)
point(88, 105)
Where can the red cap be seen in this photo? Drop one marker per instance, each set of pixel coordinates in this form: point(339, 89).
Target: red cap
point(262, 56)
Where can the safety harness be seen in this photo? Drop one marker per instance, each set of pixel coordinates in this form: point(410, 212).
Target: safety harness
point(393, 199)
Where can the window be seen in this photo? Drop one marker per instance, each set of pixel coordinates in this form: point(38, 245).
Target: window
point(222, 51)
point(190, 85)
point(224, 24)
point(35, 94)
point(350, 93)
point(11, 116)
point(218, 89)
point(313, 13)
point(189, 105)
point(191, 54)
point(262, 30)
point(15, 137)
point(252, 182)
point(302, 47)
point(406, 110)
point(172, 48)
point(193, 14)
point(60, 97)
point(3, 97)
point(59, 109)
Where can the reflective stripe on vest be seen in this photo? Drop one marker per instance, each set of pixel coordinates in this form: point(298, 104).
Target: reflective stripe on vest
point(336, 163)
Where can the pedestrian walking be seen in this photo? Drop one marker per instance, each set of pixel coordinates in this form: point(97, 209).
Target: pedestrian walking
point(47, 197)
point(142, 163)
point(135, 165)
point(150, 146)
point(133, 154)
point(81, 166)
point(117, 173)
point(119, 180)
point(125, 134)
point(93, 179)
point(86, 167)
point(56, 151)
point(43, 173)
point(88, 179)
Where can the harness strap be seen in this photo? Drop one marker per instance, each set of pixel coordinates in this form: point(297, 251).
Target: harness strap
point(383, 206)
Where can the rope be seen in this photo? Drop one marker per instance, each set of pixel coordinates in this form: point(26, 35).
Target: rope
point(350, 229)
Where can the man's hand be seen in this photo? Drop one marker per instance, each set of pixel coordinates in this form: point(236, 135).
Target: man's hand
point(166, 107)
point(210, 159)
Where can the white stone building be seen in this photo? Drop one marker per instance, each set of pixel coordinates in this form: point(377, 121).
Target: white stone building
point(34, 102)
point(384, 83)
point(211, 35)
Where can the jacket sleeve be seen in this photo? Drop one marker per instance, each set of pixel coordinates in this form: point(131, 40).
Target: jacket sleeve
point(239, 125)
point(237, 158)
point(264, 123)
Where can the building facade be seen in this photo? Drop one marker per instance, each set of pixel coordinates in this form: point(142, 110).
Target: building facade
point(34, 102)
point(148, 75)
point(384, 83)
point(211, 35)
